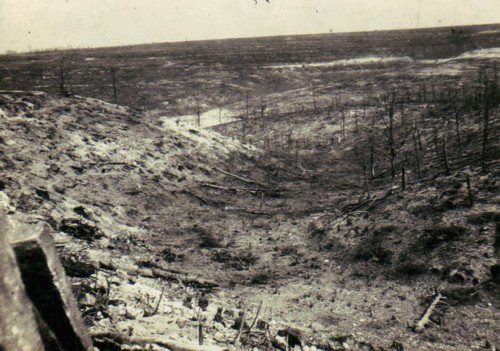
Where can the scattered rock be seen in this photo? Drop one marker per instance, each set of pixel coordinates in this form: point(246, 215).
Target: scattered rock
point(80, 230)
point(44, 194)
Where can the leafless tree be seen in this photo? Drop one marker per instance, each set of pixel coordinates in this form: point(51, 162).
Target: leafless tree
point(62, 78)
point(198, 116)
point(389, 112)
point(372, 140)
point(445, 145)
point(403, 177)
point(113, 84)
point(416, 148)
point(457, 111)
point(486, 126)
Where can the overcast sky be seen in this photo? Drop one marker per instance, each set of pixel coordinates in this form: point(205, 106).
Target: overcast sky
point(38, 24)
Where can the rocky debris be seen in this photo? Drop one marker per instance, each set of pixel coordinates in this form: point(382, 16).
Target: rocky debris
point(240, 322)
point(203, 302)
point(218, 318)
point(293, 337)
point(80, 229)
point(76, 266)
point(46, 286)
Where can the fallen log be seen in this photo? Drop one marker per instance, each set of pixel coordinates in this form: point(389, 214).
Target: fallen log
point(244, 180)
point(219, 187)
point(111, 163)
point(202, 199)
point(175, 345)
point(188, 280)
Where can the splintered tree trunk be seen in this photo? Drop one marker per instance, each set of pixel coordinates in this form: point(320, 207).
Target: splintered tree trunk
point(389, 110)
point(419, 139)
point(365, 176)
point(62, 88)
point(247, 107)
point(417, 153)
point(101, 92)
point(372, 162)
point(297, 144)
point(391, 145)
point(469, 190)
point(200, 333)
point(457, 128)
point(372, 147)
point(246, 117)
point(403, 177)
point(244, 129)
point(486, 123)
point(343, 125)
point(445, 147)
point(436, 144)
point(113, 84)
point(403, 116)
point(393, 163)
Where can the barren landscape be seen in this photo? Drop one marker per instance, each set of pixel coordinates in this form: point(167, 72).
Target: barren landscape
point(326, 192)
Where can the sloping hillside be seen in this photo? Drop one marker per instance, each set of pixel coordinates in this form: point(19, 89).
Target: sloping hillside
point(154, 222)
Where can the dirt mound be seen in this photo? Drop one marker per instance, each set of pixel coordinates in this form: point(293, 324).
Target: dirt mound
point(76, 159)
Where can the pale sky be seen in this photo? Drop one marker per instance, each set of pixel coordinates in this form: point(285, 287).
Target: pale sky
point(39, 24)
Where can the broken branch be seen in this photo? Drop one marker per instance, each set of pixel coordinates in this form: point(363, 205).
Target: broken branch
point(422, 323)
point(245, 180)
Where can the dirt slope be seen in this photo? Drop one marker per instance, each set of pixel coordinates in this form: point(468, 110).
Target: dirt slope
point(134, 204)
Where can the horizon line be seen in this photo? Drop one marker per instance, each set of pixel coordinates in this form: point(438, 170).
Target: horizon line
point(54, 49)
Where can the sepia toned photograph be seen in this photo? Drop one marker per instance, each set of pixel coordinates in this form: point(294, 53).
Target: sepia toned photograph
point(255, 175)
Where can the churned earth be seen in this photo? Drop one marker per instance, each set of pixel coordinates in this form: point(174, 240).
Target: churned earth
point(159, 225)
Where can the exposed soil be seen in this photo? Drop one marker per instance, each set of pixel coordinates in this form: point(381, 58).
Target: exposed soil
point(160, 224)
